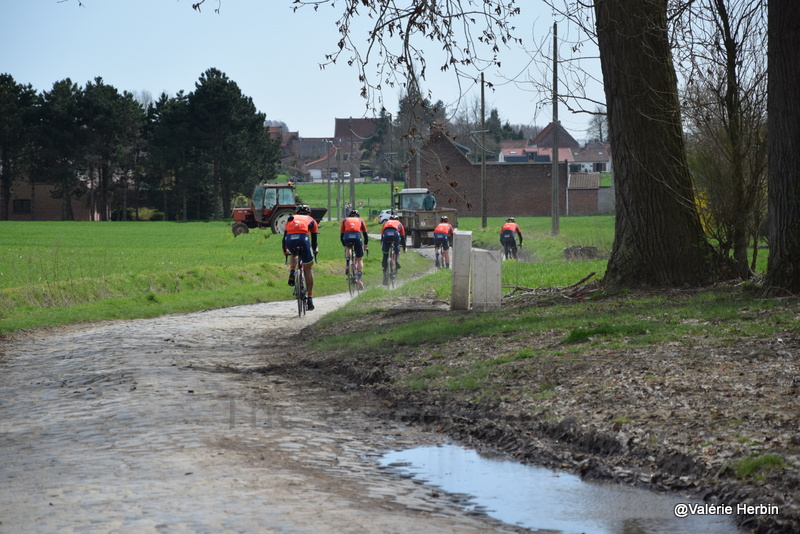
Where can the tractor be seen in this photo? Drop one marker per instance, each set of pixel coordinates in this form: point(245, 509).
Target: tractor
point(270, 207)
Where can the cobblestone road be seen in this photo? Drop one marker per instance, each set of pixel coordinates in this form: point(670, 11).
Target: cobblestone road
point(157, 426)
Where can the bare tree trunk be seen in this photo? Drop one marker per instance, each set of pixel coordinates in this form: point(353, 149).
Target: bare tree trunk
point(783, 268)
point(658, 239)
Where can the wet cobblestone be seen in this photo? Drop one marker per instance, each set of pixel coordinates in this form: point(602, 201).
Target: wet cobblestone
point(156, 426)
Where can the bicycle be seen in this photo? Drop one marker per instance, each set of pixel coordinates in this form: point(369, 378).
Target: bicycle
point(353, 283)
point(509, 251)
point(300, 291)
point(437, 248)
point(392, 269)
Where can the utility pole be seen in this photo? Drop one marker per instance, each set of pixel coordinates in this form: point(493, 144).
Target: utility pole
point(483, 156)
point(328, 150)
point(339, 181)
point(352, 170)
point(555, 204)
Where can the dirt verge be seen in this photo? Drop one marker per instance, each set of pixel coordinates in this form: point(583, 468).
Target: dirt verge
point(668, 417)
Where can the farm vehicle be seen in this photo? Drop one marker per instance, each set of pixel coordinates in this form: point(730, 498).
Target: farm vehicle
point(270, 207)
point(419, 223)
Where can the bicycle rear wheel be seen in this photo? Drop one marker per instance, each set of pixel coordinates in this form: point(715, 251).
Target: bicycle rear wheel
point(300, 292)
point(392, 270)
point(350, 270)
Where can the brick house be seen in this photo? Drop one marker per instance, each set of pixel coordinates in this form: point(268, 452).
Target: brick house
point(512, 189)
point(33, 202)
point(343, 151)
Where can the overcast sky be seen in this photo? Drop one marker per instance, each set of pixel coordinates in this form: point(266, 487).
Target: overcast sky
point(271, 52)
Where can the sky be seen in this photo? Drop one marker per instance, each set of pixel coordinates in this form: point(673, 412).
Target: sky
point(272, 53)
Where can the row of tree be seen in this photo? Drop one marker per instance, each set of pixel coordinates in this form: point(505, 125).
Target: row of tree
point(187, 154)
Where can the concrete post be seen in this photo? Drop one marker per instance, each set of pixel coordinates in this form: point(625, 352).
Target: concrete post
point(460, 263)
point(487, 286)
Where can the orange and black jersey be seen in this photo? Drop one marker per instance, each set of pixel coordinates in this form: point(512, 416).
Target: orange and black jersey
point(509, 229)
point(303, 225)
point(354, 224)
point(395, 224)
point(444, 228)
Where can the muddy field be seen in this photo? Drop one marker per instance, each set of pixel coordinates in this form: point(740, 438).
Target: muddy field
point(667, 418)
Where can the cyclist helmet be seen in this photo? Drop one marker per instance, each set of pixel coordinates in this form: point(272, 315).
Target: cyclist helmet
point(394, 217)
point(443, 219)
point(303, 209)
point(354, 213)
point(510, 219)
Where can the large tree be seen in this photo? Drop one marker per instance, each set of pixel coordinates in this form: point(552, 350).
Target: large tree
point(783, 269)
point(658, 239)
point(113, 122)
point(16, 106)
point(171, 150)
point(229, 131)
point(60, 138)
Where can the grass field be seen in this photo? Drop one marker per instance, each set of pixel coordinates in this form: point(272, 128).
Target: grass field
point(55, 273)
point(375, 196)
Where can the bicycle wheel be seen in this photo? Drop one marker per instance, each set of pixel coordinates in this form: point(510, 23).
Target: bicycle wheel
point(352, 285)
point(300, 291)
point(392, 270)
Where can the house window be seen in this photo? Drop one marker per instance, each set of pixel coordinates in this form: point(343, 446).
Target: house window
point(22, 206)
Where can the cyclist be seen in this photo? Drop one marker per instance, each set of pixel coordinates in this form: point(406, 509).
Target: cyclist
point(507, 235)
point(392, 235)
point(301, 233)
point(352, 231)
point(442, 237)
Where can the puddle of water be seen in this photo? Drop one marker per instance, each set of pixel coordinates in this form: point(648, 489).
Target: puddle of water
point(538, 498)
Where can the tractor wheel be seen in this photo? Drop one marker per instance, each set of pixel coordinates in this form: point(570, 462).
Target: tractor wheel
point(239, 228)
point(279, 221)
point(416, 239)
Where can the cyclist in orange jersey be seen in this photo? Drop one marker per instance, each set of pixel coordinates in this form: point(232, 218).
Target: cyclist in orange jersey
point(300, 235)
point(393, 234)
point(507, 232)
point(352, 231)
point(443, 236)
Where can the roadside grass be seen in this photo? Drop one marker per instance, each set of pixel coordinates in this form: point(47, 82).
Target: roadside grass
point(56, 273)
point(723, 315)
point(757, 466)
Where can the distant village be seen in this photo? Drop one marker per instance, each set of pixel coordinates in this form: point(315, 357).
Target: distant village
point(519, 175)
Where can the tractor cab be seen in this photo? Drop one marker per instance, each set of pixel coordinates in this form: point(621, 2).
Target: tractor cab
point(411, 199)
point(270, 207)
point(265, 198)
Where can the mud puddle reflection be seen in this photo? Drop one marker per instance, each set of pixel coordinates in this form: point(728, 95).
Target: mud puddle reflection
point(541, 499)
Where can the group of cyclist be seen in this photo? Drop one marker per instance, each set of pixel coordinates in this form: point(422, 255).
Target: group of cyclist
point(300, 239)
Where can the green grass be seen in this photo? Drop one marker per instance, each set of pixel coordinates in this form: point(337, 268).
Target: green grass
point(375, 196)
point(55, 273)
point(756, 466)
